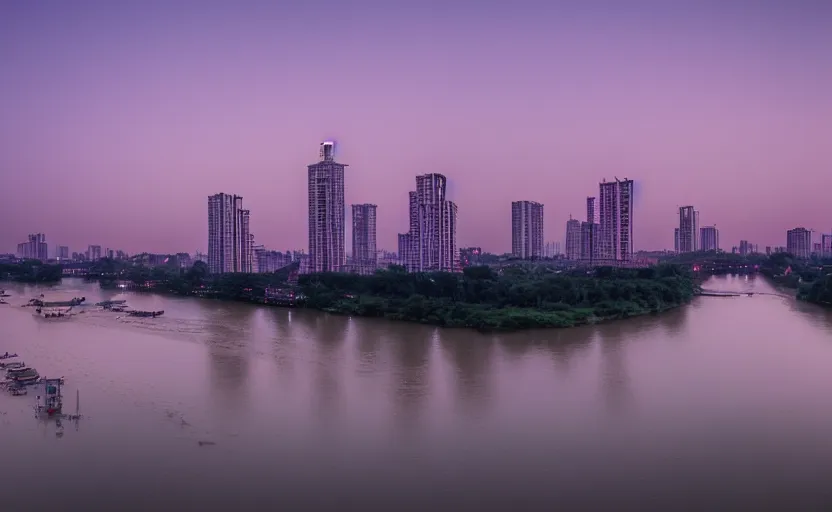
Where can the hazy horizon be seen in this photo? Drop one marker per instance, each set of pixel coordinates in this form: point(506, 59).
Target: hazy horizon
point(119, 120)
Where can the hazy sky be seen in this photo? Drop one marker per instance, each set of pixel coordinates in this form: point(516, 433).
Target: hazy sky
point(118, 118)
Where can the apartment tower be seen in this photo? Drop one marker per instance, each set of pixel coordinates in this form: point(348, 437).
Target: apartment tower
point(688, 232)
point(226, 222)
point(616, 219)
point(527, 229)
point(326, 212)
point(430, 245)
point(573, 239)
point(590, 233)
point(708, 238)
point(364, 255)
point(799, 242)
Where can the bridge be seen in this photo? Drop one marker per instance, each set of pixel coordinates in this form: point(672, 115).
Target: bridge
point(730, 293)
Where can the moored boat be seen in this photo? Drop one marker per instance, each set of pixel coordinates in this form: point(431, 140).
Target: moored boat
point(8, 365)
point(146, 314)
point(7, 356)
point(23, 376)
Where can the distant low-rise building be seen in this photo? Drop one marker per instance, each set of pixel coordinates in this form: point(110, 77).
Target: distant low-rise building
point(469, 256)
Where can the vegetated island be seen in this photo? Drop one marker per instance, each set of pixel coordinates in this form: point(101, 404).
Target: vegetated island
point(512, 298)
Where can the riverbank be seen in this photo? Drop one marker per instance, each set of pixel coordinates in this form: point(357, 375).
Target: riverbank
point(30, 271)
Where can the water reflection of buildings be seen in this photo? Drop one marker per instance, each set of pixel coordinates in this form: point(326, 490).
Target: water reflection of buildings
point(284, 343)
point(329, 333)
point(562, 344)
point(411, 345)
point(471, 356)
point(617, 340)
point(227, 326)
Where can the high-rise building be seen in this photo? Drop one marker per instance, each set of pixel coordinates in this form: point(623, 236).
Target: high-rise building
point(62, 253)
point(709, 238)
point(573, 239)
point(590, 241)
point(327, 215)
point(35, 248)
point(590, 233)
point(364, 255)
point(590, 210)
point(94, 252)
point(405, 252)
point(243, 263)
point(688, 229)
point(676, 240)
point(745, 247)
point(430, 245)
point(616, 219)
point(826, 246)
point(551, 249)
point(799, 242)
point(225, 240)
point(527, 229)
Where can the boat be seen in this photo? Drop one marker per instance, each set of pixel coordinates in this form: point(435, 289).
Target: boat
point(23, 376)
point(17, 390)
point(108, 303)
point(76, 301)
point(146, 314)
point(3, 301)
point(8, 365)
point(8, 356)
point(58, 313)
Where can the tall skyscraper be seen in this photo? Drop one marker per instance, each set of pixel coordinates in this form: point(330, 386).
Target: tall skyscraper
point(327, 215)
point(364, 254)
point(826, 246)
point(94, 252)
point(799, 242)
point(709, 238)
point(688, 232)
point(225, 241)
point(745, 247)
point(62, 252)
point(590, 233)
point(573, 239)
point(527, 229)
point(35, 248)
point(676, 240)
point(616, 219)
point(430, 245)
point(246, 244)
point(590, 210)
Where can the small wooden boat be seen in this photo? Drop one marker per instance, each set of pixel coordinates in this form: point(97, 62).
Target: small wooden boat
point(7, 356)
point(146, 314)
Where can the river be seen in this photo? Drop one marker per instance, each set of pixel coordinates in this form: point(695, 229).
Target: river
point(722, 403)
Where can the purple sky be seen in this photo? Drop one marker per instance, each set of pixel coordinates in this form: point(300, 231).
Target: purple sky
point(117, 121)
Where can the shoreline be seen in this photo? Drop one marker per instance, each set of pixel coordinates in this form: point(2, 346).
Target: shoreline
point(576, 322)
point(590, 320)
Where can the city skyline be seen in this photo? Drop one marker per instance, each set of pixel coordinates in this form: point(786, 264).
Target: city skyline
point(165, 106)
